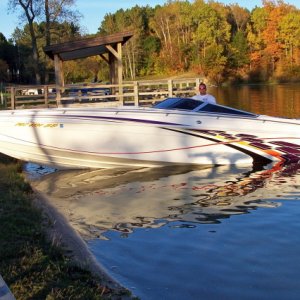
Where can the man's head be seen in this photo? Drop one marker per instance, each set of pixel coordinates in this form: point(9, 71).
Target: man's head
point(202, 88)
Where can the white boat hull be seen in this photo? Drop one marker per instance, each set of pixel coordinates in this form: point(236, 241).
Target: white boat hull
point(106, 138)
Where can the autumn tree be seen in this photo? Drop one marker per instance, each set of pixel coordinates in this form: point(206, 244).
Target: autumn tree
point(256, 43)
point(274, 47)
point(220, 42)
point(211, 37)
point(240, 17)
point(161, 25)
point(289, 34)
point(238, 49)
point(267, 37)
point(136, 20)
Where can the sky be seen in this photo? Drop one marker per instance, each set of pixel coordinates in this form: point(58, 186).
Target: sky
point(93, 11)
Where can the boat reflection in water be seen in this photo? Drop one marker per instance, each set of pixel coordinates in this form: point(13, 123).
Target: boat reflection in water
point(116, 199)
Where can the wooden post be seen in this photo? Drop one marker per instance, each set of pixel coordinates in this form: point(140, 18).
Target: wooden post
point(46, 95)
point(79, 95)
point(58, 96)
point(59, 72)
point(2, 98)
point(112, 72)
point(136, 93)
point(120, 72)
point(170, 87)
point(12, 98)
point(197, 85)
point(59, 78)
point(116, 67)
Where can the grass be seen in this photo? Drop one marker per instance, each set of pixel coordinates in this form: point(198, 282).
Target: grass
point(30, 265)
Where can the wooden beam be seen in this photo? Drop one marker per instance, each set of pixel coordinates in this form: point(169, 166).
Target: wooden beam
point(86, 46)
point(104, 58)
point(113, 51)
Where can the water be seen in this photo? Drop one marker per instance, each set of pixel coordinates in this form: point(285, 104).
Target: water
point(225, 239)
point(203, 233)
point(222, 233)
point(276, 100)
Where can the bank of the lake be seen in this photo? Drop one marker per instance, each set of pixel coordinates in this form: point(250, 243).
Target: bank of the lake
point(33, 266)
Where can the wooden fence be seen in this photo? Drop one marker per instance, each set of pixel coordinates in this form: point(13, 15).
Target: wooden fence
point(137, 93)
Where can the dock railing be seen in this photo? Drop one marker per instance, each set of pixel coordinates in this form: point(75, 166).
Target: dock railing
point(134, 93)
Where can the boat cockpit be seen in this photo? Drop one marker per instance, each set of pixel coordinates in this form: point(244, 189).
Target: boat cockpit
point(200, 106)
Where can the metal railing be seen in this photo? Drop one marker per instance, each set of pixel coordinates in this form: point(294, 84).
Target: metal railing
point(137, 93)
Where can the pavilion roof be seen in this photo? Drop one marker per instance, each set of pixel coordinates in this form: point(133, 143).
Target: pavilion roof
point(87, 46)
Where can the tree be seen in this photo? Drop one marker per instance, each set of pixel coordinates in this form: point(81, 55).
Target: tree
point(240, 16)
point(31, 10)
point(136, 20)
point(275, 12)
point(3, 70)
point(256, 43)
point(239, 50)
point(48, 11)
point(58, 11)
point(161, 26)
point(9, 59)
point(211, 37)
point(289, 33)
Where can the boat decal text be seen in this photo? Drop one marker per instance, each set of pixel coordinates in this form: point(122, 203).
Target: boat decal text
point(36, 125)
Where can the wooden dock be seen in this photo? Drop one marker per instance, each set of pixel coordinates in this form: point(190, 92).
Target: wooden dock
point(134, 93)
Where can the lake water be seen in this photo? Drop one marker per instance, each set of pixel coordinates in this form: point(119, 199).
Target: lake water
point(202, 233)
point(276, 100)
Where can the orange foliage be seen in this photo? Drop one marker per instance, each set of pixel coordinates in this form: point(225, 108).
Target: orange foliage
point(275, 13)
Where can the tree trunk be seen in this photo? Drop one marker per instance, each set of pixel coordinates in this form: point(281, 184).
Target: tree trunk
point(30, 15)
point(47, 35)
point(35, 55)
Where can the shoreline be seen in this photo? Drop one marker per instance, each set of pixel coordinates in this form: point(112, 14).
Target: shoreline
point(37, 258)
point(61, 233)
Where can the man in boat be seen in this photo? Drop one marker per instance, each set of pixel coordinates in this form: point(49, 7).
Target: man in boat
point(203, 95)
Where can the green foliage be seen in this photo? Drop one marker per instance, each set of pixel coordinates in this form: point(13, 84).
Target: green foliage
point(31, 266)
point(289, 33)
point(214, 63)
point(3, 70)
point(239, 51)
point(177, 37)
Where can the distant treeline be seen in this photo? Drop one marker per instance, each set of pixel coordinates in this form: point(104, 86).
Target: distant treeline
point(224, 43)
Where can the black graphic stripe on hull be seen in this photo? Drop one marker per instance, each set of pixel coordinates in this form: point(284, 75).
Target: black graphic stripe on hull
point(256, 157)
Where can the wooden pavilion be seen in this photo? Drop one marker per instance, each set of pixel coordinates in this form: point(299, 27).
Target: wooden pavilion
point(109, 48)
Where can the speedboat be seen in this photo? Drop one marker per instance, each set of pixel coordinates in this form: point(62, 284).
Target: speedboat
point(176, 131)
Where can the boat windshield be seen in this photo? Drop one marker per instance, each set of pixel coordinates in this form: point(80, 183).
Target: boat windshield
point(200, 106)
point(220, 109)
point(179, 103)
